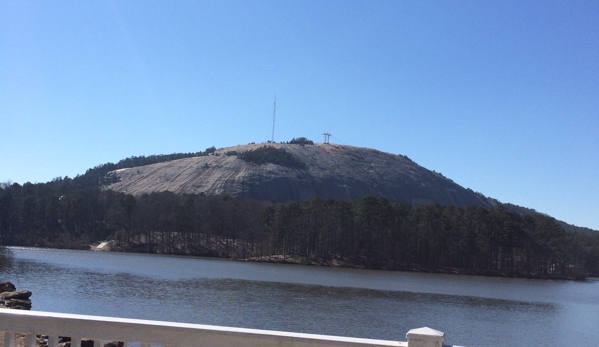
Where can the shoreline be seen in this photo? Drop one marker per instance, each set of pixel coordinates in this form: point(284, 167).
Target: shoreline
point(298, 260)
point(112, 246)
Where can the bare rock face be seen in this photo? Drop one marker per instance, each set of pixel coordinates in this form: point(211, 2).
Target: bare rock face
point(21, 295)
point(11, 298)
point(330, 171)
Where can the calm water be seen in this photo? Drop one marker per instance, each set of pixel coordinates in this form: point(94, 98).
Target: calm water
point(472, 311)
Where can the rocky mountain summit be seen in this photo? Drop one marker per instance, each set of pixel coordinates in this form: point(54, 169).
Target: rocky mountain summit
point(295, 172)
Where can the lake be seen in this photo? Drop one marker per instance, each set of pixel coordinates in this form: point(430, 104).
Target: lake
point(471, 310)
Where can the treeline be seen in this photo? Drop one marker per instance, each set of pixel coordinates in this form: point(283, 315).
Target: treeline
point(301, 141)
point(267, 154)
point(369, 232)
point(376, 233)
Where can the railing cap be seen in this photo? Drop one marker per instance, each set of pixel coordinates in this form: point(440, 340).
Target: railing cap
point(425, 333)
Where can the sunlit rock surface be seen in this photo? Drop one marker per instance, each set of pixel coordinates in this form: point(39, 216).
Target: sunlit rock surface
point(331, 171)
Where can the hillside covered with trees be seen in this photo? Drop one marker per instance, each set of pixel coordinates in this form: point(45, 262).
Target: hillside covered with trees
point(368, 232)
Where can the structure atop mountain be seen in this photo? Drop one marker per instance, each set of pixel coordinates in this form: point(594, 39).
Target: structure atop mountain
point(297, 171)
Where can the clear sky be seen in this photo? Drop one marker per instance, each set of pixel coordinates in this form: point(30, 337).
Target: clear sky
point(500, 96)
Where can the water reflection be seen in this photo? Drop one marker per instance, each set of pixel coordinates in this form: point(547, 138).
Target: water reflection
point(6, 258)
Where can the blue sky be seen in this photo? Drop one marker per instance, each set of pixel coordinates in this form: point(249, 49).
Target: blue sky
point(500, 96)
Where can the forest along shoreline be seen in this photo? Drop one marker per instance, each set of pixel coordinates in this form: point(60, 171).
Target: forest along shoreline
point(113, 246)
point(369, 232)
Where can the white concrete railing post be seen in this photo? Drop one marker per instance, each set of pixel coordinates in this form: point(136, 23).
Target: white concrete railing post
point(9, 338)
point(30, 340)
point(425, 337)
point(52, 341)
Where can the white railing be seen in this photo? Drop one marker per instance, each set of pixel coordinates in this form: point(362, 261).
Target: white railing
point(148, 333)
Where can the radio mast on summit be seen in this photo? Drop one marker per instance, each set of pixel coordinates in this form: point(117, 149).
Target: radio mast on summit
point(274, 111)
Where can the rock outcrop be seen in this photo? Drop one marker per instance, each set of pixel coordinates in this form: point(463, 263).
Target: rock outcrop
point(11, 298)
point(328, 170)
point(7, 287)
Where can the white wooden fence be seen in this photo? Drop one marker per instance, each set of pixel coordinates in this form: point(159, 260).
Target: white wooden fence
point(148, 333)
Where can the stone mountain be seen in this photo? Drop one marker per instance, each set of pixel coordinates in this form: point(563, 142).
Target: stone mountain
point(327, 170)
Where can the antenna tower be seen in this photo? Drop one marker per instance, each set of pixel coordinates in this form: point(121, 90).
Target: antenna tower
point(274, 111)
point(326, 138)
